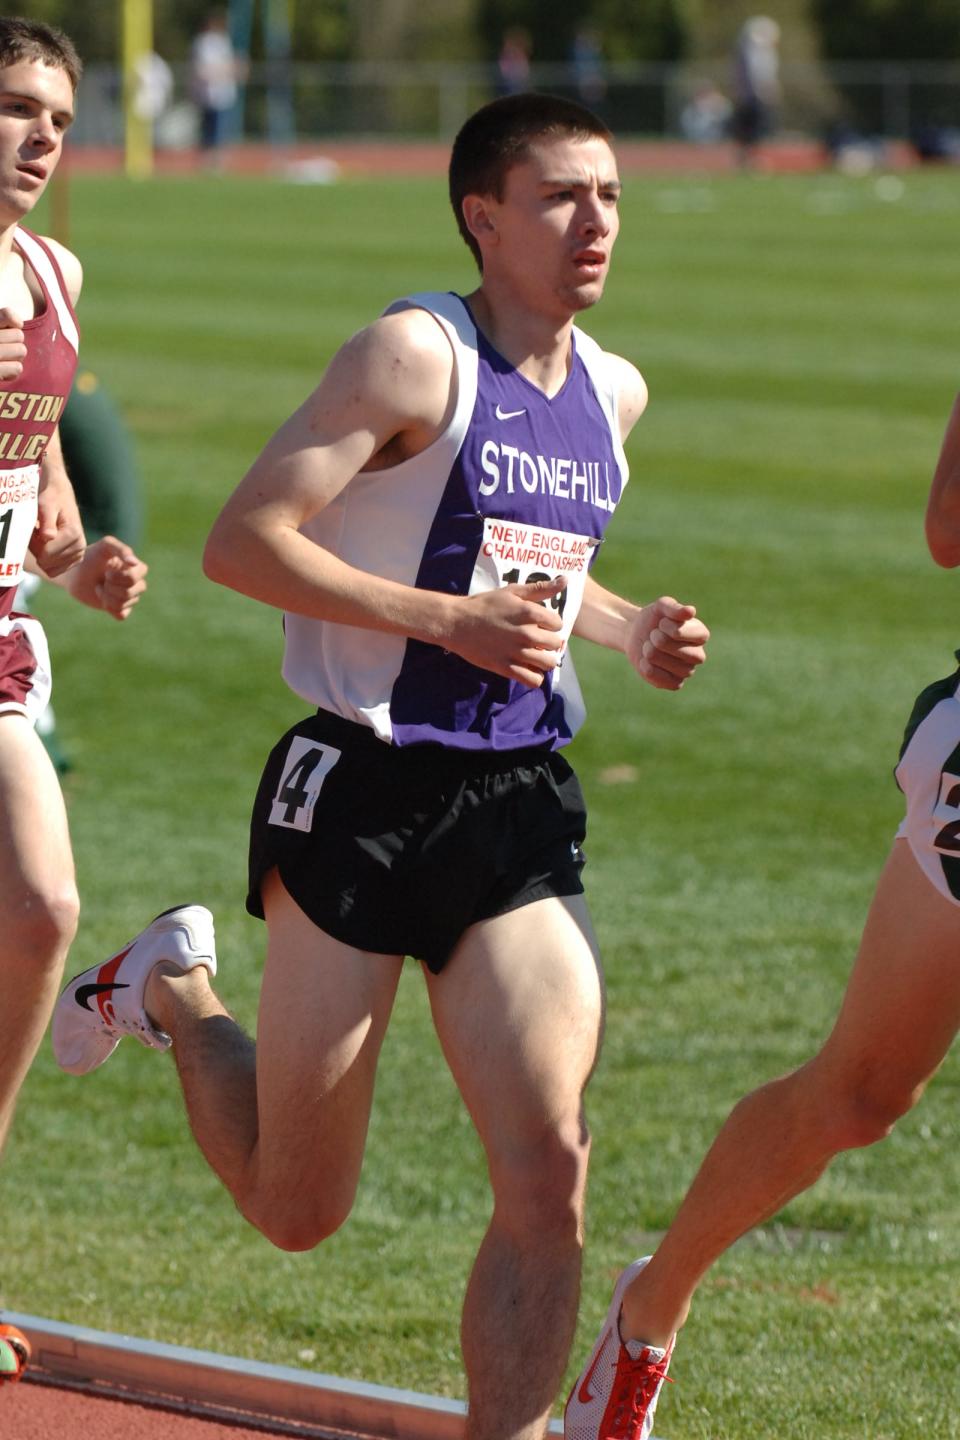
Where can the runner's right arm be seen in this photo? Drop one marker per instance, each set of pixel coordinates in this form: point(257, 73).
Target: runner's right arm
point(13, 350)
point(385, 397)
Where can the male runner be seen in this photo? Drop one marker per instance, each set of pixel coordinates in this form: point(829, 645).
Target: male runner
point(427, 521)
point(899, 1017)
point(39, 529)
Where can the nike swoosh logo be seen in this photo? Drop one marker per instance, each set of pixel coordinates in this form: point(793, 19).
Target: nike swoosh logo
point(586, 1394)
point(85, 993)
point(507, 414)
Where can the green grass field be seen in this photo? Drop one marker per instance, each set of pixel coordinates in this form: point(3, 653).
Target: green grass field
point(799, 337)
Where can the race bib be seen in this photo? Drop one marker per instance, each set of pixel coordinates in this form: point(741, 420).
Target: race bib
point(307, 765)
point(946, 815)
point(517, 554)
point(18, 519)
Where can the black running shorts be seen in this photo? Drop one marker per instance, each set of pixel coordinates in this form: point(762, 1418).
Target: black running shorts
point(399, 850)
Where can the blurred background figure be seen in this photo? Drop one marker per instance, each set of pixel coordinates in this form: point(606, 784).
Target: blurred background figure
point(756, 84)
point(937, 143)
point(100, 460)
point(586, 56)
point(215, 74)
point(154, 88)
point(513, 62)
point(705, 118)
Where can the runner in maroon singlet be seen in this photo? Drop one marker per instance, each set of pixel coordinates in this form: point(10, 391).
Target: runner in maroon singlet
point(40, 530)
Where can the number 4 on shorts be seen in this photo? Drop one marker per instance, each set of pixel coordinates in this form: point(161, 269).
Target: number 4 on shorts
point(306, 767)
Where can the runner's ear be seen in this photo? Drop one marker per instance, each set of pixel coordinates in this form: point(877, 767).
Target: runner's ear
point(479, 219)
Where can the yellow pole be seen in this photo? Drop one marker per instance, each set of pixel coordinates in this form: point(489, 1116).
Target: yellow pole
point(137, 44)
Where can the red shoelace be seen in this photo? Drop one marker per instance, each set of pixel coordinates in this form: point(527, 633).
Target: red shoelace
point(637, 1384)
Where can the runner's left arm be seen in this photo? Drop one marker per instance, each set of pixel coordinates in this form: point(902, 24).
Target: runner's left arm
point(110, 577)
point(664, 641)
point(58, 542)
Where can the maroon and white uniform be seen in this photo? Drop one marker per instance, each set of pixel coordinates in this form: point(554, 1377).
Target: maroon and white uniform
point(30, 410)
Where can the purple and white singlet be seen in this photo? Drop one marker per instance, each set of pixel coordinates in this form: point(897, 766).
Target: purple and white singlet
point(519, 487)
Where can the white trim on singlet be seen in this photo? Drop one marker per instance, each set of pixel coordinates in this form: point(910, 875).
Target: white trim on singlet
point(380, 523)
point(43, 267)
point(605, 380)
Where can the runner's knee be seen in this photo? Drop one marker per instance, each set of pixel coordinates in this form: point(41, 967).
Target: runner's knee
point(538, 1185)
point(295, 1217)
point(869, 1103)
point(874, 1105)
point(39, 925)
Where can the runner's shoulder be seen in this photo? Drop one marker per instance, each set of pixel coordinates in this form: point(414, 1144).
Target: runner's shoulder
point(632, 393)
point(70, 267)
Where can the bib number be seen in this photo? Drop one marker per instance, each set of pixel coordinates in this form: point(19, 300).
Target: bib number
point(18, 520)
point(515, 554)
point(306, 767)
point(948, 808)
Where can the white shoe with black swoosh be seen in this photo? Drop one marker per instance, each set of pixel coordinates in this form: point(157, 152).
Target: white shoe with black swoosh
point(104, 1003)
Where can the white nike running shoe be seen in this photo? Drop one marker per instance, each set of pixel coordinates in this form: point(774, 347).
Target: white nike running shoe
point(104, 1003)
point(616, 1396)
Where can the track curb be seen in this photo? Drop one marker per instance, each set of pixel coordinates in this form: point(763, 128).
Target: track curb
point(201, 1382)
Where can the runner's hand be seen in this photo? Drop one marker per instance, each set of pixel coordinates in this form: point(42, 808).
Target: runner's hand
point(511, 631)
point(666, 642)
point(110, 577)
point(13, 351)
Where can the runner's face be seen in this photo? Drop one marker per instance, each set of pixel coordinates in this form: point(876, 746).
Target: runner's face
point(557, 223)
point(36, 109)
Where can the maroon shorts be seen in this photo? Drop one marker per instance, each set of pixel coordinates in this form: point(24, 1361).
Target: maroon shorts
point(24, 667)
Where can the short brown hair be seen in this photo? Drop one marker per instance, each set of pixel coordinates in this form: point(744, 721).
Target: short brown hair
point(499, 135)
point(22, 39)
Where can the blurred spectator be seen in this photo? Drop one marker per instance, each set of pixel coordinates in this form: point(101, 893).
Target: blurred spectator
point(215, 73)
point(936, 143)
point(513, 61)
point(100, 459)
point(756, 83)
point(705, 118)
point(586, 56)
point(154, 87)
point(851, 152)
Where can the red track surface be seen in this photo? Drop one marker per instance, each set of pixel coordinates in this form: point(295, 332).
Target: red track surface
point(41, 1412)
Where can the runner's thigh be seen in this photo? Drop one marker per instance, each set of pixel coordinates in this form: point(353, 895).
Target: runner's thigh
point(902, 1006)
point(34, 840)
point(324, 1008)
point(519, 1013)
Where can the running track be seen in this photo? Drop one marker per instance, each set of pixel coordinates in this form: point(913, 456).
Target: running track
point(41, 1412)
point(91, 1385)
point(385, 157)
